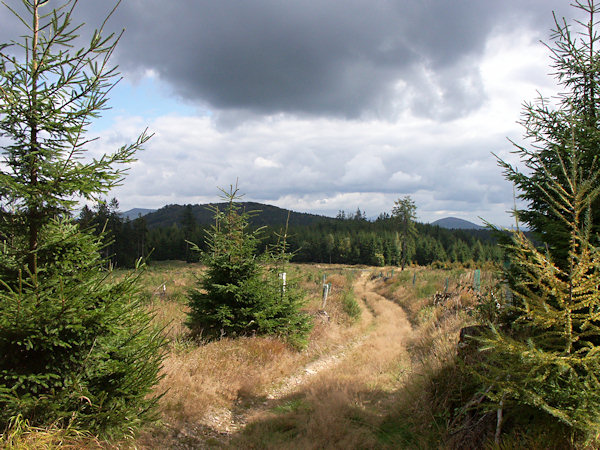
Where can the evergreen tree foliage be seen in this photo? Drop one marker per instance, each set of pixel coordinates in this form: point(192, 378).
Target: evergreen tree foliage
point(547, 356)
point(544, 353)
point(405, 213)
point(548, 125)
point(189, 225)
point(166, 234)
point(346, 241)
point(124, 240)
point(75, 346)
point(238, 295)
point(47, 102)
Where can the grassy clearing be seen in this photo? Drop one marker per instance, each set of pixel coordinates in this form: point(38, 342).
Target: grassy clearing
point(204, 382)
point(21, 436)
point(387, 378)
point(350, 404)
point(436, 407)
point(392, 391)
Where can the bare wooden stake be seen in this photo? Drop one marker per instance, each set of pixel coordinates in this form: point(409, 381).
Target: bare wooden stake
point(498, 422)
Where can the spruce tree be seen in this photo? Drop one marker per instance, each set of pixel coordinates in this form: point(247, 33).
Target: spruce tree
point(241, 293)
point(543, 353)
point(576, 64)
point(75, 345)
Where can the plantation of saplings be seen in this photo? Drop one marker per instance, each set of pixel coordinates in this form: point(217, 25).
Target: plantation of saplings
point(283, 330)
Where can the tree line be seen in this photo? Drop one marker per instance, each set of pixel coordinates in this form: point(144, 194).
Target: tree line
point(347, 239)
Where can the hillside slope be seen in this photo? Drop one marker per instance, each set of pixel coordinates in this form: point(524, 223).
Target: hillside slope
point(454, 223)
point(266, 215)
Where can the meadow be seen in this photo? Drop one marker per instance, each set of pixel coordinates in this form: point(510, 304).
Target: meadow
point(372, 375)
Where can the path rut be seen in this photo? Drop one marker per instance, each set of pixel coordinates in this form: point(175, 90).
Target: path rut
point(372, 358)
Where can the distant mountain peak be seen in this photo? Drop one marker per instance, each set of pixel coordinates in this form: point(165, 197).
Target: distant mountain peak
point(134, 213)
point(454, 223)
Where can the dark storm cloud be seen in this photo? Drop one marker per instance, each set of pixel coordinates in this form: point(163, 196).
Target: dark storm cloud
point(339, 58)
point(345, 59)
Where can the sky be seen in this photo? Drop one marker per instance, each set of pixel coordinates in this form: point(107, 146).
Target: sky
point(323, 105)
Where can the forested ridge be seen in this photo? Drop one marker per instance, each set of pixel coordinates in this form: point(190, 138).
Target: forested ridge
point(347, 239)
point(202, 215)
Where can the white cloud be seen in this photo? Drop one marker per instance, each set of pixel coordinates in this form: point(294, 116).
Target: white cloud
point(316, 166)
point(402, 179)
point(363, 169)
point(265, 163)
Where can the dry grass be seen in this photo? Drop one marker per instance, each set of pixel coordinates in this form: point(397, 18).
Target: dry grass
point(380, 381)
point(203, 383)
point(342, 406)
point(430, 409)
point(216, 374)
point(434, 386)
point(324, 416)
point(169, 280)
point(21, 436)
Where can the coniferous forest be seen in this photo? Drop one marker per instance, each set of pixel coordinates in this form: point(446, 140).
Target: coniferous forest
point(168, 233)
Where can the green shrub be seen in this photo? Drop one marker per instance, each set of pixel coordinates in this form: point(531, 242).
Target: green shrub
point(241, 294)
point(350, 305)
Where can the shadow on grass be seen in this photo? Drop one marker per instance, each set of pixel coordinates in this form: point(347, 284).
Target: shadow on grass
point(318, 417)
point(321, 417)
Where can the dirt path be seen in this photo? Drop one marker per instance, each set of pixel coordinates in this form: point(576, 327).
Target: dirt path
point(383, 352)
point(336, 356)
point(373, 358)
point(369, 358)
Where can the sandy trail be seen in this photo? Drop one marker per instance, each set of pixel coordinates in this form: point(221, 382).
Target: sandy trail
point(383, 351)
point(373, 358)
point(293, 383)
point(369, 358)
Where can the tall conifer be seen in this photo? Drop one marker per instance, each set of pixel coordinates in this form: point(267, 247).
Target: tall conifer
point(547, 355)
point(74, 346)
point(405, 213)
point(547, 123)
point(544, 353)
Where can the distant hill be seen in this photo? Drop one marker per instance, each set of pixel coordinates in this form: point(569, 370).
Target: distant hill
point(135, 213)
point(268, 215)
point(454, 223)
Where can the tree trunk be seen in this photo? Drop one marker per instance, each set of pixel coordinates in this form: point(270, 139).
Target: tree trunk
point(33, 212)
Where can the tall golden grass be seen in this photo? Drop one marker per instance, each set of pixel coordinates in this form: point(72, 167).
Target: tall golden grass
point(378, 391)
point(203, 382)
point(381, 380)
point(383, 393)
point(21, 436)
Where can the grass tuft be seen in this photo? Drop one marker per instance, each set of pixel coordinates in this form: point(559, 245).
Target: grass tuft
point(350, 305)
point(20, 435)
